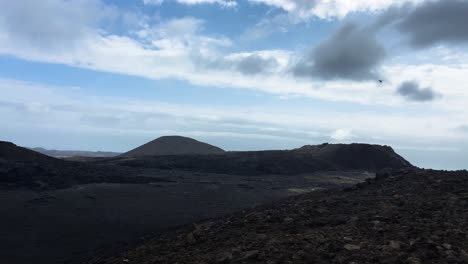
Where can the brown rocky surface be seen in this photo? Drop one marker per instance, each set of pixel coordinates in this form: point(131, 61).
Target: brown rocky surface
point(412, 216)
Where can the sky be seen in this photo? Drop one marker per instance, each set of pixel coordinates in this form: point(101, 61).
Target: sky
point(239, 74)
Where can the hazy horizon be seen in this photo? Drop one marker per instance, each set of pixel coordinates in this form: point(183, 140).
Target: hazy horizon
point(239, 74)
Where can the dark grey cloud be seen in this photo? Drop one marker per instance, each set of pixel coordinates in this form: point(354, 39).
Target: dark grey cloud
point(429, 23)
point(412, 91)
point(354, 53)
point(390, 16)
point(443, 21)
point(350, 53)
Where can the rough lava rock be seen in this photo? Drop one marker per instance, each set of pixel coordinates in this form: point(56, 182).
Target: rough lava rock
point(411, 216)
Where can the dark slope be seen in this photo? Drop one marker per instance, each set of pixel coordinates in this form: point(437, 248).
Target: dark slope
point(21, 168)
point(173, 145)
point(11, 152)
point(410, 217)
point(307, 159)
point(357, 156)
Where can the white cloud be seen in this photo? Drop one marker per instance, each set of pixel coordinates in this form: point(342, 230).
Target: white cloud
point(305, 9)
point(179, 34)
point(51, 24)
point(223, 3)
point(342, 135)
point(153, 2)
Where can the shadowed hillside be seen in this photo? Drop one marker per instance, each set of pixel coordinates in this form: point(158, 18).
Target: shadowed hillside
point(26, 169)
point(307, 159)
point(11, 152)
point(173, 145)
point(96, 205)
point(356, 156)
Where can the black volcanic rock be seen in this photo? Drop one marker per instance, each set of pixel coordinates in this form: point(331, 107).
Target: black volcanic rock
point(307, 159)
point(173, 145)
point(415, 216)
point(10, 152)
point(21, 168)
point(357, 156)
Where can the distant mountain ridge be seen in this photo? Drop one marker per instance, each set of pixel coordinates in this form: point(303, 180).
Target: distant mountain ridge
point(75, 153)
point(307, 159)
point(173, 145)
point(21, 167)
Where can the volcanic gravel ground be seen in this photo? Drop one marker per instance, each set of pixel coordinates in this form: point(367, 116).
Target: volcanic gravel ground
point(417, 216)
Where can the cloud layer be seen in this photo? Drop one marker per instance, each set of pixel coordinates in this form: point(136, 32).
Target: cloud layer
point(64, 110)
point(181, 48)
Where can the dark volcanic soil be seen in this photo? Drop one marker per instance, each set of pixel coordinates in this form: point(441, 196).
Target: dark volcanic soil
point(22, 168)
point(74, 224)
point(410, 217)
point(325, 157)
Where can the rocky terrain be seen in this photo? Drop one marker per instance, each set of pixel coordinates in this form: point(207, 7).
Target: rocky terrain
point(173, 145)
point(325, 157)
point(21, 168)
point(408, 216)
point(71, 225)
point(24, 168)
point(71, 210)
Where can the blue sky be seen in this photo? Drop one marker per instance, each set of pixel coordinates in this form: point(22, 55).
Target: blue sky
point(240, 74)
